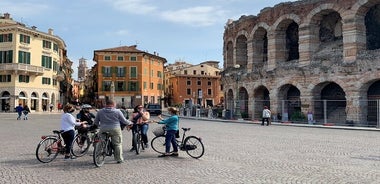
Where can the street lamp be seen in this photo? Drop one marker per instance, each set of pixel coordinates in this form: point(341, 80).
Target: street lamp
point(112, 91)
point(237, 106)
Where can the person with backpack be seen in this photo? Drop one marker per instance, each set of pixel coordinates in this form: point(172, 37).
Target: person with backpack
point(26, 111)
point(19, 110)
point(266, 116)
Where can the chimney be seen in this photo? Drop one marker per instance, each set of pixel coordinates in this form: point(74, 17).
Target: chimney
point(7, 16)
point(50, 31)
point(34, 27)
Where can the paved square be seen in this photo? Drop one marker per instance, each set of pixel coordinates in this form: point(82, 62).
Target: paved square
point(234, 153)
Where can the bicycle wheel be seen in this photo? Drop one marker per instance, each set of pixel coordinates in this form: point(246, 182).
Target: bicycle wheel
point(158, 144)
point(81, 145)
point(47, 150)
point(137, 143)
point(194, 147)
point(99, 153)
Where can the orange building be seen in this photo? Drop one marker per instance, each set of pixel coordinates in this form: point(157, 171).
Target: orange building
point(194, 84)
point(129, 76)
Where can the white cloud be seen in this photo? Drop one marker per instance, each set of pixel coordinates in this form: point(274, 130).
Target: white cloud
point(195, 16)
point(133, 6)
point(23, 8)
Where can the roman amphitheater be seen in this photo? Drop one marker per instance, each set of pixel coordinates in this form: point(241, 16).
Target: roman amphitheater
point(317, 56)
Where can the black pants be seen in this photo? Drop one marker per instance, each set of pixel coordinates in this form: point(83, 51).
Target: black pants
point(265, 119)
point(68, 138)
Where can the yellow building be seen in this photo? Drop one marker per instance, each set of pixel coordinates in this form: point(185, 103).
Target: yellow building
point(29, 65)
point(135, 76)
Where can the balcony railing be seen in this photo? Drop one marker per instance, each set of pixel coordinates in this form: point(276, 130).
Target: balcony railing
point(11, 68)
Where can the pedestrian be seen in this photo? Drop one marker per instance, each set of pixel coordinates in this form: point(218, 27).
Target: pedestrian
point(26, 111)
point(59, 107)
point(266, 116)
point(68, 123)
point(19, 110)
point(140, 118)
point(310, 117)
point(44, 107)
point(110, 119)
point(51, 107)
point(171, 125)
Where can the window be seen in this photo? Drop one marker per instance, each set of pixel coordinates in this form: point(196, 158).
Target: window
point(209, 92)
point(6, 37)
point(185, 72)
point(151, 85)
point(6, 56)
point(46, 44)
point(133, 58)
point(46, 80)
point(133, 86)
point(107, 58)
point(199, 83)
point(159, 74)
point(209, 83)
point(121, 71)
point(55, 66)
point(144, 85)
point(188, 91)
point(5, 78)
point(120, 86)
point(55, 47)
point(159, 86)
point(194, 72)
point(188, 83)
point(133, 72)
point(106, 86)
point(106, 71)
point(151, 73)
point(55, 82)
point(23, 57)
point(202, 72)
point(46, 62)
point(23, 78)
point(24, 39)
point(120, 58)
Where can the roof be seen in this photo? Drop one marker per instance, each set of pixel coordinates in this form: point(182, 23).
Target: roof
point(129, 49)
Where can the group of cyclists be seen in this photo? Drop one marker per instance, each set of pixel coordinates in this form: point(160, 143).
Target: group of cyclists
point(109, 119)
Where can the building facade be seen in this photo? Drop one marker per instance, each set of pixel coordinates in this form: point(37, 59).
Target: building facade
point(128, 75)
point(318, 56)
point(190, 85)
point(30, 64)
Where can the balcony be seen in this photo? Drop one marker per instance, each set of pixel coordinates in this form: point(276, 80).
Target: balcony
point(20, 68)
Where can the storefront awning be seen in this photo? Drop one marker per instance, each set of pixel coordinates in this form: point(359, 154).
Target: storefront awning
point(44, 98)
point(21, 97)
point(33, 98)
point(4, 97)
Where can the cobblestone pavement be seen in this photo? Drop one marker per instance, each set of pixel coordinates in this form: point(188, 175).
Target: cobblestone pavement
point(235, 153)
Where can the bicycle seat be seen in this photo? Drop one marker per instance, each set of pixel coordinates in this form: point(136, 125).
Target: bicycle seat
point(186, 129)
point(57, 131)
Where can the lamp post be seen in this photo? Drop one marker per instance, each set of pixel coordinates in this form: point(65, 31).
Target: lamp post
point(112, 91)
point(237, 106)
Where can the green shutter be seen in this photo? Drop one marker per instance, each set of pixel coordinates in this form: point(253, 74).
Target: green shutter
point(10, 56)
point(10, 37)
point(103, 70)
point(27, 79)
point(28, 58)
point(20, 57)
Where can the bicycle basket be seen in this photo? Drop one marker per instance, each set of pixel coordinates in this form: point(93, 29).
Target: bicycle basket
point(159, 131)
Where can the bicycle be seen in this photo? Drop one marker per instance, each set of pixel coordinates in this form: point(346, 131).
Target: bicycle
point(191, 144)
point(102, 148)
point(50, 146)
point(82, 142)
point(138, 142)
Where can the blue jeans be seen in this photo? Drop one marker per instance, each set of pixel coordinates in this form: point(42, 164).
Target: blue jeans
point(144, 132)
point(170, 138)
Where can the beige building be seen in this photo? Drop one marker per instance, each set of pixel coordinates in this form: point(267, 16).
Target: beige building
point(29, 65)
point(188, 84)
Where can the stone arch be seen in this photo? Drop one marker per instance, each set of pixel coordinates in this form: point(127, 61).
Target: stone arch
point(45, 101)
point(243, 98)
point(325, 26)
point(229, 58)
point(22, 98)
point(286, 39)
point(259, 39)
point(5, 101)
point(241, 54)
point(329, 97)
point(289, 95)
point(230, 99)
point(373, 100)
point(261, 99)
point(34, 101)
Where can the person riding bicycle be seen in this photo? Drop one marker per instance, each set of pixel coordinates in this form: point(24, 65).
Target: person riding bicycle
point(140, 118)
point(110, 119)
point(171, 125)
point(85, 115)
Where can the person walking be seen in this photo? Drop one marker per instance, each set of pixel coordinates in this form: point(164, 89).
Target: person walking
point(266, 116)
point(68, 123)
point(110, 119)
point(19, 110)
point(140, 118)
point(26, 111)
point(171, 125)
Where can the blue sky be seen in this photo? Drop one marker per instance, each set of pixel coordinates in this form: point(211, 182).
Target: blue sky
point(188, 30)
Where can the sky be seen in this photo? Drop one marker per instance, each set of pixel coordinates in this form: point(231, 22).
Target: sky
point(178, 30)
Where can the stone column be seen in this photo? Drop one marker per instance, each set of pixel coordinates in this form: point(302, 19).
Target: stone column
point(354, 38)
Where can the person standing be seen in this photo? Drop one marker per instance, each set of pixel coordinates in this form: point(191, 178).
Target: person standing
point(51, 107)
point(171, 125)
point(109, 119)
point(19, 110)
point(310, 119)
point(266, 116)
point(68, 123)
point(140, 118)
point(26, 111)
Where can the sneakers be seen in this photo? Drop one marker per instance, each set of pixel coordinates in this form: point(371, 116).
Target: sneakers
point(174, 154)
point(120, 161)
point(146, 145)
point(70, 157)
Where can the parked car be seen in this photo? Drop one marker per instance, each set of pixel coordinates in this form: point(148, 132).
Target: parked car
point(153, 109)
